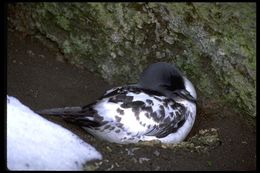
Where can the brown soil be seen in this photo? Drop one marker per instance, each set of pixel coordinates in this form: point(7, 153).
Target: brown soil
point(40, 81)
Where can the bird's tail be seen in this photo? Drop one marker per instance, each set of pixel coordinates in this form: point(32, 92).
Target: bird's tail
point(83, 116)
point(60, 111)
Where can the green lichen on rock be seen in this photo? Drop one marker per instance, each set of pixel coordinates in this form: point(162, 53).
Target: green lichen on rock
point(214, 44)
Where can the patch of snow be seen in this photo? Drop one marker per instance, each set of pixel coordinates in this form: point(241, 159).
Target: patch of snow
point(34, 143)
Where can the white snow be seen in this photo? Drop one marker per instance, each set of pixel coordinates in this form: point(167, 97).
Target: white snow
point(34, 143)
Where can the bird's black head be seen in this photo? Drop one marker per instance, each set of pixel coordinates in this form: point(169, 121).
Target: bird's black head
point(165, 78)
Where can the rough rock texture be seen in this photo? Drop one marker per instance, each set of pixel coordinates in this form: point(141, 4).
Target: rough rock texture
point(214, 44)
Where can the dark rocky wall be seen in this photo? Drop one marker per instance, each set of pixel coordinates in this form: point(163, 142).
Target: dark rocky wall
point(214, 44)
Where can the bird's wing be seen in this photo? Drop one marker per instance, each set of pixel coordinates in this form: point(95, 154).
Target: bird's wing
point(168, 116)
point(170, 123)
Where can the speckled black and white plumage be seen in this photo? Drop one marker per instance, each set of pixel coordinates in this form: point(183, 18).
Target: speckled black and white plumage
point(161, 106)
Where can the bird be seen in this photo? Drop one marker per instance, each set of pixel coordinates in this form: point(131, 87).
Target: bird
point(160, 106)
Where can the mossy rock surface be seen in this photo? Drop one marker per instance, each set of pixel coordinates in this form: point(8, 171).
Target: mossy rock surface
point(214, 44)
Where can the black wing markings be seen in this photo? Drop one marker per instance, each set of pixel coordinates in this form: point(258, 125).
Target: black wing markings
point(169, 125)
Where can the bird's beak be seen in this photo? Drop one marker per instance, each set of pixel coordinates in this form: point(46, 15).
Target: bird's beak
point(185, 95)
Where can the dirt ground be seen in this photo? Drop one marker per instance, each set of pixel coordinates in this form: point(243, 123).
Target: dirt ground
point(40, 80)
